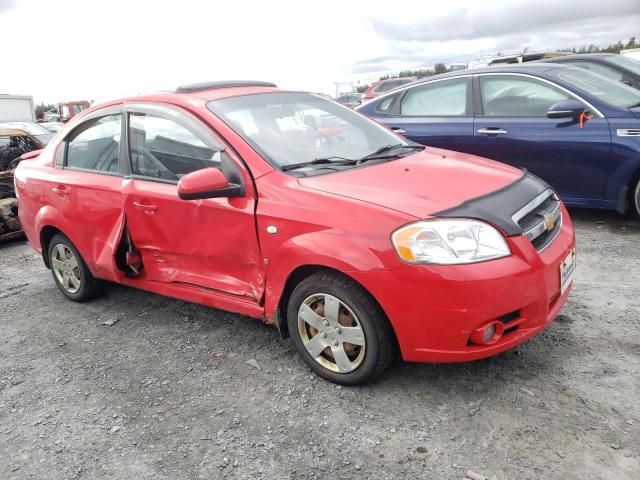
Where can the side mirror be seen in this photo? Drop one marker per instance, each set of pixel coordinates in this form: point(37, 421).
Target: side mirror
point(566, 109)
point(626, 82)
point(207, 183)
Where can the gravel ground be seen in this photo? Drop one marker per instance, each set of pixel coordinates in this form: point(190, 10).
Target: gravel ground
point(174, 390)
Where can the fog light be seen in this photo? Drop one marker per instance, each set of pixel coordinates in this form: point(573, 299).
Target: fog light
point(488, 333)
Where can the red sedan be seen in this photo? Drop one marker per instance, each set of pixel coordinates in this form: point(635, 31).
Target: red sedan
point(295, 210)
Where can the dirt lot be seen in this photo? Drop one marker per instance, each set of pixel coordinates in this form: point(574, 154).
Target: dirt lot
point(166, 391)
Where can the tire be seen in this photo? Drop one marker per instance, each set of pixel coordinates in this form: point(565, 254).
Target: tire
point(359, 318)
point(634, 200)
point(70, 272)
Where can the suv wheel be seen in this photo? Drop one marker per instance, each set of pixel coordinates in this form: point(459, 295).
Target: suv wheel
point(70, 272)
point(339, 330)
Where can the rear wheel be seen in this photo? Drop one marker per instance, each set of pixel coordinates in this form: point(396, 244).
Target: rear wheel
point(339, 329)
point(70, 272)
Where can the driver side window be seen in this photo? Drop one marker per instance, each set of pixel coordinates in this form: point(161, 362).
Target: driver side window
point(161, 148)
point(517, 96)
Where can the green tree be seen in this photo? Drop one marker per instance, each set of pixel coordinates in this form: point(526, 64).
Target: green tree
point(41, 108)
point(439, 68)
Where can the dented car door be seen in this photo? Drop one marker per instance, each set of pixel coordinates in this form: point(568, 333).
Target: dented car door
point(84, 191)
point(204, 243)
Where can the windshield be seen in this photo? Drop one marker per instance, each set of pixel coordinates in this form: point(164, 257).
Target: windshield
point(293, 128)
point(608, 91)
point(30, 127)
point(625, 62)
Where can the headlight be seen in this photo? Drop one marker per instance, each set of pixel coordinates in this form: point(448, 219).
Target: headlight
point(449, 242)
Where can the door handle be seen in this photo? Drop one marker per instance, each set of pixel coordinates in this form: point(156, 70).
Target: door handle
point(145, 207)
point(398, 130)
point(60, 191)
point(492, 131)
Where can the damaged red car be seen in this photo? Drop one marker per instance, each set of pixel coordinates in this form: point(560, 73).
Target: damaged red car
point(290, 208)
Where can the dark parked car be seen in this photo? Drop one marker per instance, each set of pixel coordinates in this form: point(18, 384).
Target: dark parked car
point(611, 65)
point(577, 130)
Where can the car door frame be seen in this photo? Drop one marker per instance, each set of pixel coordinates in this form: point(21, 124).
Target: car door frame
point(477, 94)
point(99, 253)
point(393, 114)
point(401, 92)
point(479, 115)
point(238, 173)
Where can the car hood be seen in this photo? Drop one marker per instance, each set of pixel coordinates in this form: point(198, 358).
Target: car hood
point(420, 184)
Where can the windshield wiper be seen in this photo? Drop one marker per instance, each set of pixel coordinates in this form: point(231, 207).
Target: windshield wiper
point(321, 161)
point(378, 154)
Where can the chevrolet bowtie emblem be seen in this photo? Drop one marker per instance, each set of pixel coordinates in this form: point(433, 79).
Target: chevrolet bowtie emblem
point(550, 221)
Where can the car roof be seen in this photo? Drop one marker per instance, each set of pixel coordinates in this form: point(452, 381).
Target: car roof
point(208, 94)
point(528, 67)
point(196, 93)
point(581, 56)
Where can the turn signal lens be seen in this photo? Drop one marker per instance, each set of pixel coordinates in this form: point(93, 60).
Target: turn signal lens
point(449, 242)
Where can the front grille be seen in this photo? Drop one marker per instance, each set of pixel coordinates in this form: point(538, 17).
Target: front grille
point(540, 219)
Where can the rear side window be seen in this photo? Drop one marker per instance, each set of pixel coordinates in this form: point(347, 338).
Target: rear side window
point(385, 104)
point(515, 96)
point(163, 149)
point(94, 145)
point(443, 99)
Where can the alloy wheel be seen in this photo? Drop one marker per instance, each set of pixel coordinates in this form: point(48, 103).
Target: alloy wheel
point(331, 333)
point(66, 269)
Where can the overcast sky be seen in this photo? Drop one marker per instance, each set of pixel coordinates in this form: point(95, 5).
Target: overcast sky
point(100, 49)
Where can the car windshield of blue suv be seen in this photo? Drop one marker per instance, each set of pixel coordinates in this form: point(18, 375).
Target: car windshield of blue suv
point(608, 91)
point(307, 134)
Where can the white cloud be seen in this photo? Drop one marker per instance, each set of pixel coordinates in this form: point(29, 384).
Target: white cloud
point(81, 49)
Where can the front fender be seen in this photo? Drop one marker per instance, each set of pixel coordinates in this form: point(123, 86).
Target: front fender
point(625, 163)
point(320, 249)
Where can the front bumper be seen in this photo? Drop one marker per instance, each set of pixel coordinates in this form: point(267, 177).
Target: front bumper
point(434, 309)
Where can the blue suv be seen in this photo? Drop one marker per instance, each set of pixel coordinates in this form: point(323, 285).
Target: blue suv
point(577, 130)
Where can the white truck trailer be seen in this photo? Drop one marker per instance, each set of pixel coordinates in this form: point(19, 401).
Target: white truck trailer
point(631, 53)
point(16, 107)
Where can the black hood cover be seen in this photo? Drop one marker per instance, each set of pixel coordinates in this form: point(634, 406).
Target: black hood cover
point(498, 208)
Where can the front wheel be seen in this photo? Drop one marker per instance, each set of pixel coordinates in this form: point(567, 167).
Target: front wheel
point(339, 329)
point(635, 200)
point(70, 272)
